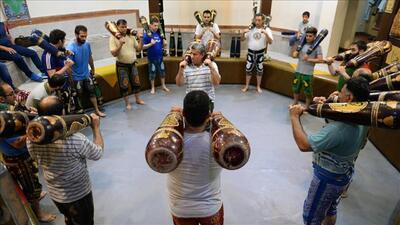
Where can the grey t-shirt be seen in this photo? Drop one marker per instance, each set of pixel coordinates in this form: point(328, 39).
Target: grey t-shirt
point(307, 67)
point(302, 27)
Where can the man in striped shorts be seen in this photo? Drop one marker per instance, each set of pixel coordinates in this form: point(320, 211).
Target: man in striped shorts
point(65, 169)
point(200, 74)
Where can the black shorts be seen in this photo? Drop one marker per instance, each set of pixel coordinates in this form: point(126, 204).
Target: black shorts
point(127, 73)
point(255, 60)
point(85, 87)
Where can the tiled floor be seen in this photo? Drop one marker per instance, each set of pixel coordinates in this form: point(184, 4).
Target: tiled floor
point(270, 189)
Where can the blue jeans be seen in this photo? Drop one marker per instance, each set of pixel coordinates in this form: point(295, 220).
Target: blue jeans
point(17, 58)
point(5, 75)
point(292, 40)
point(156, 66)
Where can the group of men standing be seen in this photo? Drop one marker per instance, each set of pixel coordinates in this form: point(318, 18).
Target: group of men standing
point(194, 187)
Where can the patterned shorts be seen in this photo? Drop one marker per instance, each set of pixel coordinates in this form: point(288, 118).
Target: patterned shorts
point(302, 81)
point(323, 197)
point(255, 60)
point(25, 172)
point(127, 74)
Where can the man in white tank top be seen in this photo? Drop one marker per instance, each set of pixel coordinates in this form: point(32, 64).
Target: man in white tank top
point(195, 186)
point(257, 39)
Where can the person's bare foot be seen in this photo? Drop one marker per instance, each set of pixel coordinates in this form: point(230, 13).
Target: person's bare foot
point(165, 89)
point(101, 114)
point(128, 107)
point(245, 89)
point(259, 90)
point(42, 195)
point(140, 102)
point(46, 217)
point(153, 91)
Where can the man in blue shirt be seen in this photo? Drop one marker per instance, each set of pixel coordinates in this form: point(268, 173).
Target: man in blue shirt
point(20, 164)
point(154, 46)
point(59, 66)
point(82, 58)
point(335, 148)
point(12, 52)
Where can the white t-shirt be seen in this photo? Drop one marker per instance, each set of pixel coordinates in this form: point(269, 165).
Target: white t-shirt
point(36, 95)
point(208, 34)
point(195, 186)
point(256, 40)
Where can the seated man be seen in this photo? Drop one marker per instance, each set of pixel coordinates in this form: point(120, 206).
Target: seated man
point(58, 65)
point(53, 63)
point(12, 52)
point(300, 31)
point(44, 89)
point(19, 163)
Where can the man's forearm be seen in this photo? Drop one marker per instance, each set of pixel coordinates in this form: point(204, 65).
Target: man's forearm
point(332, 70)
point(215, 77)
point(139, 46)
point(299, 135)
point(146, 46)
point(91, 63)
point(116, 51)
point(179, 80)
point(97, 138)
point(316, 60)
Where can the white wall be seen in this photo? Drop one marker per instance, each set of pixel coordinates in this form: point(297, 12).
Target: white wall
point(328, 14)
point(288, 13)
point(333, 19)
point(176, 12)
point(229, 12)
point(38, 8)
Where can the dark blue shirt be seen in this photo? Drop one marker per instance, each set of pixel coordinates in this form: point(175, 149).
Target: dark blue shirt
point(51, 62)
point(8, 150)
point(155, 52)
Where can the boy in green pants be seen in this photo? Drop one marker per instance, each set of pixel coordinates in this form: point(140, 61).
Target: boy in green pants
point(305, 67)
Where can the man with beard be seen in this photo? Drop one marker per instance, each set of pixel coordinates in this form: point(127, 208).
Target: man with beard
point(19, 163)
point(346, 73)
point(209, 30)
point(258, 38)
point(124, 49)
point(82, 57)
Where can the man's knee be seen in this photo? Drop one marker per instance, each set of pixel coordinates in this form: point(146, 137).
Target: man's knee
point(17, 58)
